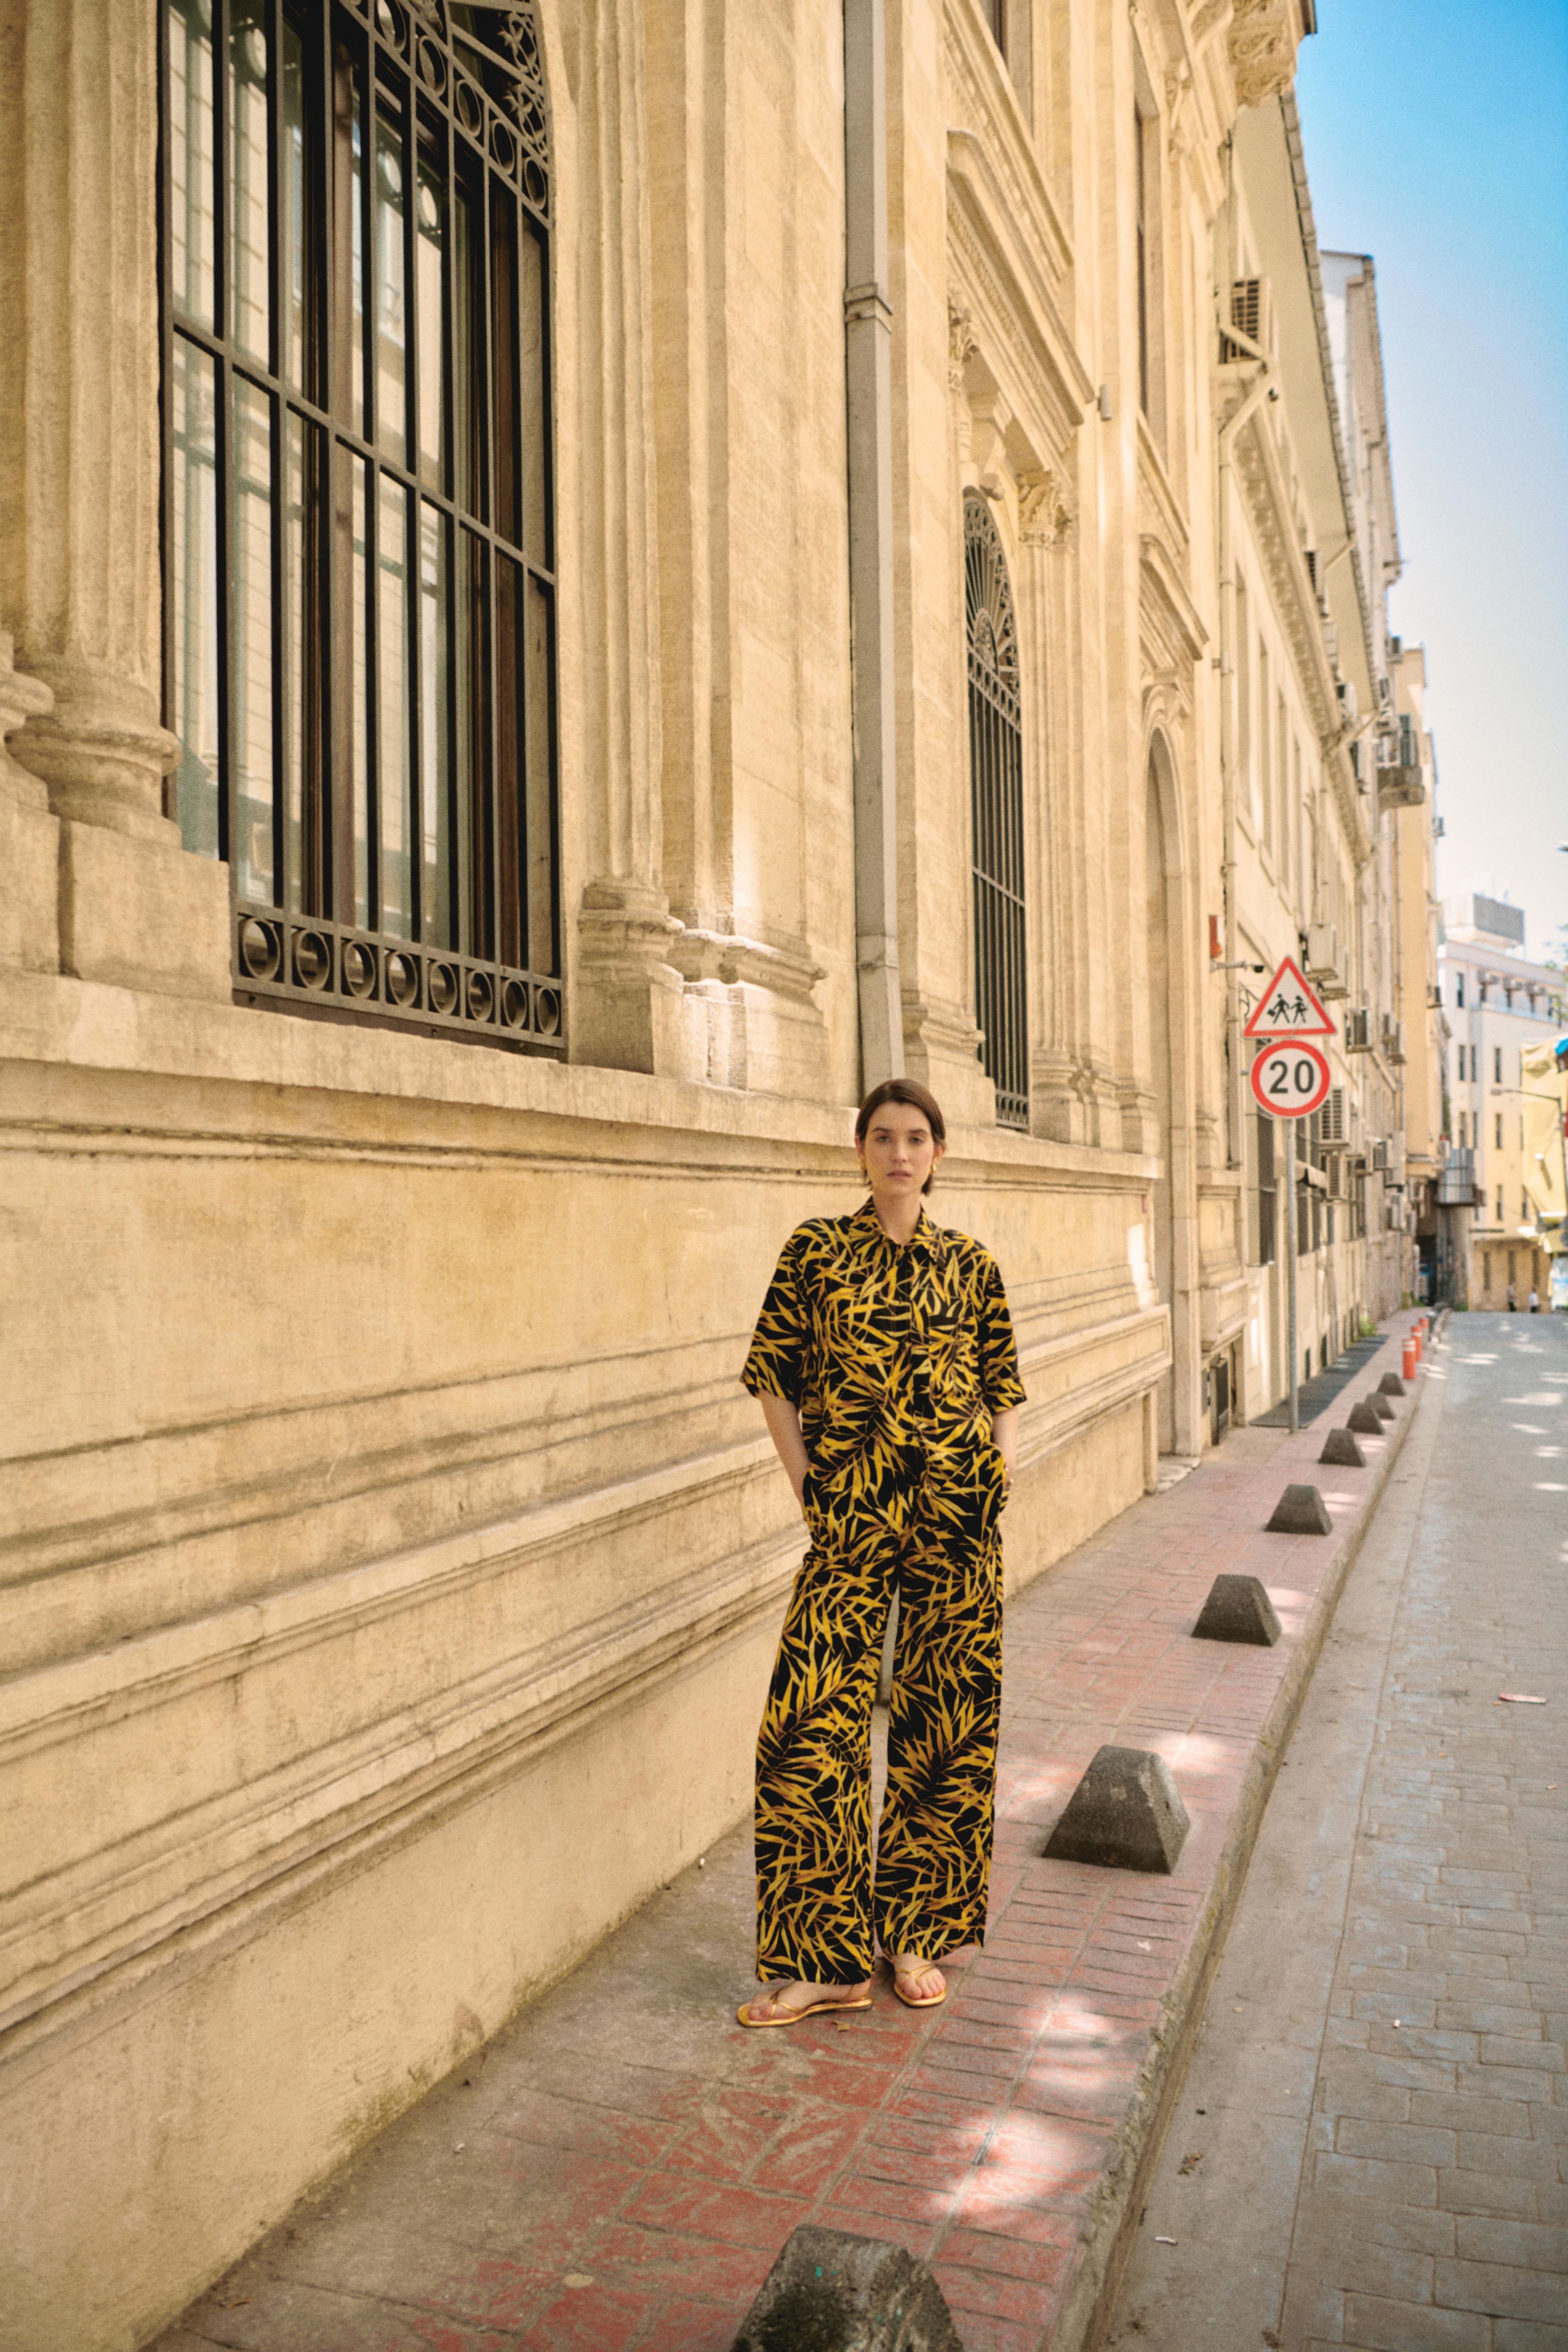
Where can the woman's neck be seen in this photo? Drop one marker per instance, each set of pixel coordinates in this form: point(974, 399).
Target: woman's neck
point(900, 1217)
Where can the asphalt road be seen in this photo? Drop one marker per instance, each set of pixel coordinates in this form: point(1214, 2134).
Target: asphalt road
point(1371, 2146)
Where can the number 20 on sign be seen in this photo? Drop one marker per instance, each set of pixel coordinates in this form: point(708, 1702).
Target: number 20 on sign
point(1290, 1078)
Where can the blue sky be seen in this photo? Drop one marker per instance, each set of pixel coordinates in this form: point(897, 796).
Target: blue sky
point(1436, 138)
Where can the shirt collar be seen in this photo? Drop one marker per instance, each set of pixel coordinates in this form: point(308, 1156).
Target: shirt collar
point(866, 1227)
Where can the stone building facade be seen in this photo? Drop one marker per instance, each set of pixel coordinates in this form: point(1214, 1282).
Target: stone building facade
point(578, 582)
point(1499, 1003)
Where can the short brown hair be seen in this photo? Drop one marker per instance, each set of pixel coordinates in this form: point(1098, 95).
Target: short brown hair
point(908, 1091)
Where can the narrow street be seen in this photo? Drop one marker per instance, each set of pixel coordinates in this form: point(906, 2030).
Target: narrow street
point(1371, 2146)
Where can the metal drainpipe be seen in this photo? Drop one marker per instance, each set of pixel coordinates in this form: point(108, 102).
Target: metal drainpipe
point(1227, 433)
point(868, 385)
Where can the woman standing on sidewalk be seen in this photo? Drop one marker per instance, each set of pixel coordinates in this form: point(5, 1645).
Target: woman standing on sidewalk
point(885, 1365)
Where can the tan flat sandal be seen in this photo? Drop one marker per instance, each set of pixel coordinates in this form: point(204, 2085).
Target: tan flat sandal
point(903, 1977)
point(793, 2016)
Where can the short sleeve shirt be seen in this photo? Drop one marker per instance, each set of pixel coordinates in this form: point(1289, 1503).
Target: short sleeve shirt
point(863, 1334)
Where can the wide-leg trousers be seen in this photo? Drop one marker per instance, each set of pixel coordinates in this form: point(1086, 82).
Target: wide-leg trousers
point(819, 1917)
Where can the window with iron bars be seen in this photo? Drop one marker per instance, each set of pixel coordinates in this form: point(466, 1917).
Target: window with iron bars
point(358, 534)
point(997, 787)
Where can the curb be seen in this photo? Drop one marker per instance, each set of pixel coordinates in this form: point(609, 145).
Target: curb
point(1107, 2243)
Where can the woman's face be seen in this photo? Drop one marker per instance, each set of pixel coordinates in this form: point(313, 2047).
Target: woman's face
point(899, 1151)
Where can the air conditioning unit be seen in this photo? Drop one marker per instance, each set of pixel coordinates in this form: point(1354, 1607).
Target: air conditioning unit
point(1400, 782)
point(1323, 967)
point(1358, 1032)
point(1252, 314)
point(1393, 1039)
point(1380, 1156)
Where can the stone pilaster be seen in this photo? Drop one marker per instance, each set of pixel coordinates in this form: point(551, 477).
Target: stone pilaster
point(29, 835)
point(79, 586)
point(630, 1010)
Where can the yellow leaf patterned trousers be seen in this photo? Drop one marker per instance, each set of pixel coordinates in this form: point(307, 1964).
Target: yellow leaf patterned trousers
point(923, 1525)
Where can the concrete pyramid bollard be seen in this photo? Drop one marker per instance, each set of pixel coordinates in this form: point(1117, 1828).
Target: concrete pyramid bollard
point(832, 2292)
point(1382, 1406)
point(1391, 1385)
point(1126, 1813)
point(1237, 1610)
point(1341, 1446)
point(1367, 1418)
point(1300, 1511)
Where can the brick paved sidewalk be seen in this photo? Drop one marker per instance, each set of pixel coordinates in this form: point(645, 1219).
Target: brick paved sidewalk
point(618, 2169)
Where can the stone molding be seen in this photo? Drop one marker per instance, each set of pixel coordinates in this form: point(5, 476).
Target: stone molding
point(729, 957)
point(998, 138)
point(1048, 508)
point(94, 1929)
point(29, 834)
point(1262, 479)
point(1264, 37)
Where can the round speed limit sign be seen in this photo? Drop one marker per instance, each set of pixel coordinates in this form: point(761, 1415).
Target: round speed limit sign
point(1290, 1078)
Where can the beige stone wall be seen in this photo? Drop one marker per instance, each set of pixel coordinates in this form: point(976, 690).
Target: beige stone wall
point(381, 1503)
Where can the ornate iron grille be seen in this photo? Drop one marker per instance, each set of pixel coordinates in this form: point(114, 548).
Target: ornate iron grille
point(358, 528)
point(996, 785)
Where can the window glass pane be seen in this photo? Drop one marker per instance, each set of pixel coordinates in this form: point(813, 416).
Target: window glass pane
point(351, 732)
point(473, 745)
point(359, 593)
point(430, 292)
point(539, 942)
point(348, 240)
point(534, 297)
point(393, 711)
point(248, 247)
point(468, 351)
point(508, 759)
point(250, 624)
point(503, 363)
point(195, 716)
point(390, 331)
point(301, 697)
point(298, 225)
point(191, 158)
point(436, 745)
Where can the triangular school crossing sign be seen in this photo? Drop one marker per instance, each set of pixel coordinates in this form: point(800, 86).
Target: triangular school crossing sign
point(1289, 1007)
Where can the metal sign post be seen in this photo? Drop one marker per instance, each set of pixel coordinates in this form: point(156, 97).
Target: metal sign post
point(1292, 1211)
point(1290, 1079)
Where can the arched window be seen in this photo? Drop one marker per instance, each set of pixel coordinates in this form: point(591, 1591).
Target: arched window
point(996, 784)
point(359, 550)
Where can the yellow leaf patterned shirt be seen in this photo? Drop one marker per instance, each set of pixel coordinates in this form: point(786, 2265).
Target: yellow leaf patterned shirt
point(907, 1348)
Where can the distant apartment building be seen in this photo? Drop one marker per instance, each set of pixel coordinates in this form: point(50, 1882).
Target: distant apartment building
point(1497, 1005)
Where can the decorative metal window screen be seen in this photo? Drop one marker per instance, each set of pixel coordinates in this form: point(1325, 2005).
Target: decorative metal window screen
point(359, 583)
point(996, 783)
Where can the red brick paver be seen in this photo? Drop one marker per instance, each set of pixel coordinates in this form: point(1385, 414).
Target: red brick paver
point(621, 2167)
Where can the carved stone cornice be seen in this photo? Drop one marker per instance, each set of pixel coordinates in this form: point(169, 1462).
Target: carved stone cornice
point(1273, 524)
point(1027, 345)
point(1013, 251)
point(697, 954)
point(962, 344)
point(1048, 510)
point(1263, 39)
point(1171, 626)
point(1263, 486)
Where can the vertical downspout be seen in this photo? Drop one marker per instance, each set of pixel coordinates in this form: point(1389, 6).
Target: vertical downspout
point(868, 385)
point(1228, 435)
